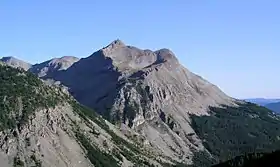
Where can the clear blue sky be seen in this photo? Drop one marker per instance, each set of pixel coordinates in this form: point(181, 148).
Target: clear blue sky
point(235, 44)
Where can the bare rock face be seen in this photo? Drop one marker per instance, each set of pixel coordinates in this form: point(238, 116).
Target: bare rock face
point(53, 65)
point(149, 92)
point(16, 63)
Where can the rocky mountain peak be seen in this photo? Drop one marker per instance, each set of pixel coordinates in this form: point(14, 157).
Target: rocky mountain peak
point(116, 44)
point(51, 66)
point(164, 55)
point(63, 62)
point(130, 58)
point(16, 63)
point(146, 91)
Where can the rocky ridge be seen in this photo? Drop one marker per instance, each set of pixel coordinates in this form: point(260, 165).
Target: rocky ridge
point(53, 65)
point(42, 69)
point(16, 63)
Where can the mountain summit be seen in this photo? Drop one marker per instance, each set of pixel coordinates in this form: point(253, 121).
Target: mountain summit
point(14, 62)
point(53, 65)
point(42, 69)
point(132, 58)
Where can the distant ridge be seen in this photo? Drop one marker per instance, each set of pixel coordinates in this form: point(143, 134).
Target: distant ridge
point(14, 62)
point(42, 69)
point(274, 106)
point(262, 101)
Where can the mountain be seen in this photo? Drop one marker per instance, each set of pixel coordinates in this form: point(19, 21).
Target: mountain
point(14, 62)
point(43, 125)
point(178, 113)
point(274, 107)
point(149, 92)
point(262, 101)
point(159, 112)
point(51, 66)
point(42, 69)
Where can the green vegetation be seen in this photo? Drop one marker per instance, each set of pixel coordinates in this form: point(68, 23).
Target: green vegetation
point(234, 131)
point(202, 159)
point(21, 93)
point(86, 113)
point(130, 113)
point(97, 157)
point(253, 160)
point(145, 94)
point(37, 162)
point(18, 162)
point(127, 149)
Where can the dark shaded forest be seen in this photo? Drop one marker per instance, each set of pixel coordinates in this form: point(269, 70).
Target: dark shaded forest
point(233, 131)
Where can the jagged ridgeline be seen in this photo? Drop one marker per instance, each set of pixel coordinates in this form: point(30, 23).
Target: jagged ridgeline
point(43, 126)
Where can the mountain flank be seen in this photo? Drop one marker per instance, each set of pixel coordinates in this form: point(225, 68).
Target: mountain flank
point(41, 125)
